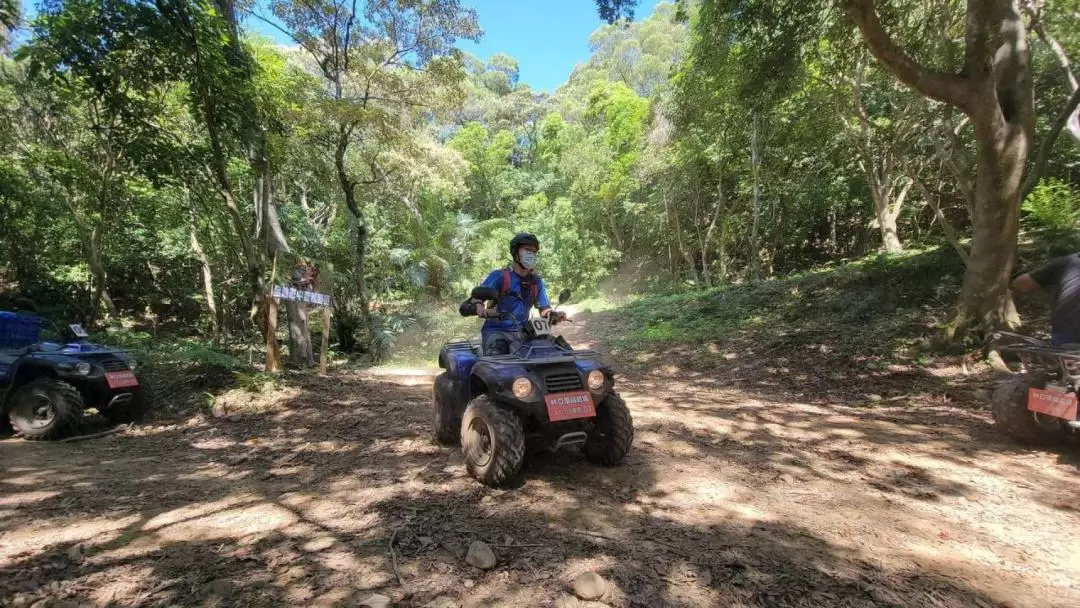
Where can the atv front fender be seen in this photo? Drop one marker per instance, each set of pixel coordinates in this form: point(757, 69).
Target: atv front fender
point(497, 381)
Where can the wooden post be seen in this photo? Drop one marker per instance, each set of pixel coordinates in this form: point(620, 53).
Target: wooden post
point(324, 354)
point(273, 360)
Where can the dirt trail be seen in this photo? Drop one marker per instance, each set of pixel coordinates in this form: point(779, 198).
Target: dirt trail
point(735, 494)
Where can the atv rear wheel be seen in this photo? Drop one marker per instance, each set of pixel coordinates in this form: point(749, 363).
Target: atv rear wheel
point(132, 411)
point(610, 442)
point(1009, 408)
point(46, 409)
point(446, 424)
point(492, 441)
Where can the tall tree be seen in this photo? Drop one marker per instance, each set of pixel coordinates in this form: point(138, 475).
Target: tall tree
point(993, 87)
point(377, 58)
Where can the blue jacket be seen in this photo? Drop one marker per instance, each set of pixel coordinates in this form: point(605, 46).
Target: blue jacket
point(515, 302)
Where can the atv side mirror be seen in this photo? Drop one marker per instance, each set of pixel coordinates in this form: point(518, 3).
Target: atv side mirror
point(485, 293)
point(564, 296)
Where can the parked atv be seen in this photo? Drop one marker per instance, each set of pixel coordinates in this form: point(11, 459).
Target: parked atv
point(546, 391)
point(45, 386)
point(1038, 405)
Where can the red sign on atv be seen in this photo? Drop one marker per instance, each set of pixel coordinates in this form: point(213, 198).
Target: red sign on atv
point(121, 379)
point(1052, 403)
point(569, 406)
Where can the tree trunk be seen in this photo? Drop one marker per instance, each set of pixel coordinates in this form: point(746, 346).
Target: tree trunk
point(718, 211)
point(300, 350)
point(97, 269)
point(361, 278)
point(668, 228)
point(208, 282)
point(755, 161)
point(1002, 153)
point(995, 91)
point(348, 188)
point(682, 244)
point(887, 210)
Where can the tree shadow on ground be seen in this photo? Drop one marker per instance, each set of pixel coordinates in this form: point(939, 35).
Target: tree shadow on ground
point(336, 492)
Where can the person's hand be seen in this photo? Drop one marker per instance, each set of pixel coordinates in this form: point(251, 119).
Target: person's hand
point(556, 317)
point(481, 310)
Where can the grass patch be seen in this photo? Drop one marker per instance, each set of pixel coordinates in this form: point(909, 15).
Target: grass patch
point(886, 301)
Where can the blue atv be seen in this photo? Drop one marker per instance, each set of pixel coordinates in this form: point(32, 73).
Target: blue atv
point(545, 392)
point(45, 386)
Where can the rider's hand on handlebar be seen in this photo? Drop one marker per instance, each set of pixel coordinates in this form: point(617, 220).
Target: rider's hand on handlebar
point(557, 317)
point(486, 313)
point(489, 313)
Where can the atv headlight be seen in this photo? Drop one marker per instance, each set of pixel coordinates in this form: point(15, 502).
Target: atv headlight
point(522, 388)
point(132, 364)
point(82, 368)
point(596, 380)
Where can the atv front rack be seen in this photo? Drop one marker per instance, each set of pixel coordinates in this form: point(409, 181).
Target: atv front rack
point(561, 356)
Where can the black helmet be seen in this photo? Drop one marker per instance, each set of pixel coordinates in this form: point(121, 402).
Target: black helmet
point(521, 239)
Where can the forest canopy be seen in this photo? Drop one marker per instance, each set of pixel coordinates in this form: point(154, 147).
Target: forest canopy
point(159, 158)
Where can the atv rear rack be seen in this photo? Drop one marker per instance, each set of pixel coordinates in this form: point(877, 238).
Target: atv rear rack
point(1067, 358)
point(1043, 350)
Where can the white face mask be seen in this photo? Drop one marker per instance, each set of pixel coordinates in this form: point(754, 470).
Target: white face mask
point(527, 259)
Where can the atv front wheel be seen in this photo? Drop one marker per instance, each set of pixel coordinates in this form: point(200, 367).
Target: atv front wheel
point(492, 441)
point(447, 426)
point(132, 411)
point(1009, 408)
point(46, 409)
point(610, 442)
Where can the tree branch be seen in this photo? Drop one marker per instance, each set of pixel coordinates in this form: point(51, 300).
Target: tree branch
point(948, 88)
point(946, 225)
point(311, 51)
point(1047, 146)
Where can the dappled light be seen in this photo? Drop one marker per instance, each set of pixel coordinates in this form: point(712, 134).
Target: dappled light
point(342, 304)
point(730, 496)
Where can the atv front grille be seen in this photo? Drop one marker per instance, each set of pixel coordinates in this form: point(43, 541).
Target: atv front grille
point(114, 365)
point(563, 382)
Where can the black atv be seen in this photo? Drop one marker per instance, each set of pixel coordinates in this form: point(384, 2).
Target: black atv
point(45, 386)
point(1039, 404)
point(546, 392)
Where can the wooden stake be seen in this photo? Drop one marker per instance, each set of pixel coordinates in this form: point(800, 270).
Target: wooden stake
point(273, 361)
point(324, 354)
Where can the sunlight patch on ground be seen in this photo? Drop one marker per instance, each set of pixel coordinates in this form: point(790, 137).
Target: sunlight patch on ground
point(393, 372)
point(404, 376)
point(70, 531)
point(22, 498)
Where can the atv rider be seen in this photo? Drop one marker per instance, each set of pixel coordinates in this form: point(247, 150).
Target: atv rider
point(520, 288)
point(1063, 275)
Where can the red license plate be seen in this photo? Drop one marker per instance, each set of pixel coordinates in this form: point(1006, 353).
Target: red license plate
point(1052, 403)
point(569, 406)
point(121, 379)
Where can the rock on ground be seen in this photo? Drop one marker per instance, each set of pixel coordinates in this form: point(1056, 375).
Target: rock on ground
point(589, 586)
point(376, 601)
point(480, 556)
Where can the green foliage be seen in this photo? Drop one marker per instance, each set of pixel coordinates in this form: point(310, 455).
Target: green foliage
point(1053, 205)
point(886, 296)
point(144, 138)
